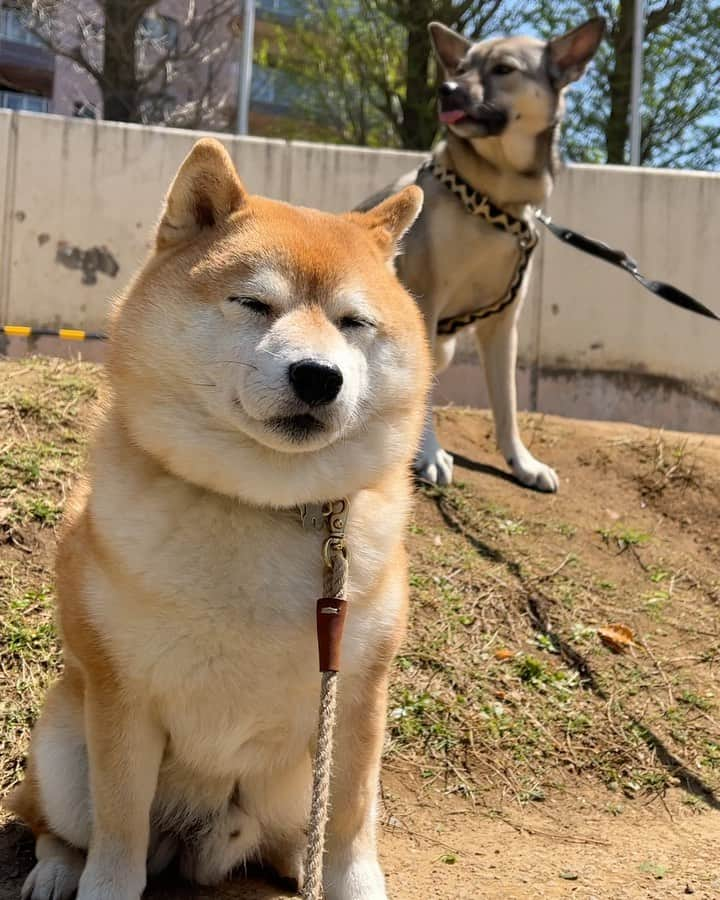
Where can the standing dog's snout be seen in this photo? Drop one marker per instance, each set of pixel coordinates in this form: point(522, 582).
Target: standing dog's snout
point(315, 383)
point(448, 88)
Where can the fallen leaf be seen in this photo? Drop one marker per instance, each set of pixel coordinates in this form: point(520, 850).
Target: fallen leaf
point(569, 876)
point(503, 654)
point(617, 637)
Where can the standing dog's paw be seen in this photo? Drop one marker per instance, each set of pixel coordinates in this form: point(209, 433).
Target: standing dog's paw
point(535, 474)
point(54, 878)
point(434, 466)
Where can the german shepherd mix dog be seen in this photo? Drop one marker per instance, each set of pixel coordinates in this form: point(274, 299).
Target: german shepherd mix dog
point(264, 356)
point(502, 103)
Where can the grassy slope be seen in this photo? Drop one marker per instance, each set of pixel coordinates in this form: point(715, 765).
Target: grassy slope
point(503, 690)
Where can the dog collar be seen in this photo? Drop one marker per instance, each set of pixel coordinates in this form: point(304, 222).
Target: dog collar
point(480, 205)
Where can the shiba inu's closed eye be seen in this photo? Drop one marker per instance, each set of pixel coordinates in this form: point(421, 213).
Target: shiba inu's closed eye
point(258, 306)
point(286, 333)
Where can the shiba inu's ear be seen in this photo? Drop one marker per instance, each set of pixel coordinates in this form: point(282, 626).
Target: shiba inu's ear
point(205, 191)
point(389, 220)
point(449, 46)
point(570, 53)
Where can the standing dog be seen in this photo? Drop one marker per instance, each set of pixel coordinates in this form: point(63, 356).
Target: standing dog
point(468, 252)
point(265, 356)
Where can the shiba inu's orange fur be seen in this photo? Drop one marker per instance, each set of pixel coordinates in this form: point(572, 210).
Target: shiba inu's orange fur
point(264, 356)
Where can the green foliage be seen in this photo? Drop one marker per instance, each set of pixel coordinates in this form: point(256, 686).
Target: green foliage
point(365, 67)
point(680, 126)
point(366, 71)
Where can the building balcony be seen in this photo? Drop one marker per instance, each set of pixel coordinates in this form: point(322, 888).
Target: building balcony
point(26, 65)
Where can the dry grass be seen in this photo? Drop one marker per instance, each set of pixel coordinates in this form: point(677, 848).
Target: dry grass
point(503, 690)
point(43, 407)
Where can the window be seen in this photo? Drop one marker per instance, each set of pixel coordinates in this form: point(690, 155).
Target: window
point(26, 102)
point(283, 9)
point(274, 87)
point(12, 28)
point(162, 31)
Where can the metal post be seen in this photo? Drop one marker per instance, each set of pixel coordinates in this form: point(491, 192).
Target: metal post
point(637, 81)
point(246, 58)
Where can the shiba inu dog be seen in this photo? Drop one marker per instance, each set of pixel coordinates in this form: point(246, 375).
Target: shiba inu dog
point(264, 356)
point(502, 103)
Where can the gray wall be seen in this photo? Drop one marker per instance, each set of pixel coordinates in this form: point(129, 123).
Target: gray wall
point(79, 199)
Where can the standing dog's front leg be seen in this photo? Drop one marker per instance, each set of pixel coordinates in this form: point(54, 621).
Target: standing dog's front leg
point(125, 748)
point(497, 337)
point(433, 464)
point(352, 870)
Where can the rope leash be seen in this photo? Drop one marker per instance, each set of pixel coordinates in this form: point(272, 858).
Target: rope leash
point(330, 617)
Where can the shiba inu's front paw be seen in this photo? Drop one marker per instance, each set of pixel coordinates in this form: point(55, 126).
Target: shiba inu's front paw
point(54, 878)
point(535, 474)
point(361, 880)
point(434, 466)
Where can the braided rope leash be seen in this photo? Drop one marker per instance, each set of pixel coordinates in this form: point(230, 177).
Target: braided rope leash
point(330, 615)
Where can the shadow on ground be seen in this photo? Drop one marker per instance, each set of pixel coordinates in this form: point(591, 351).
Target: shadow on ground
point(539, 609)
point(16, 860)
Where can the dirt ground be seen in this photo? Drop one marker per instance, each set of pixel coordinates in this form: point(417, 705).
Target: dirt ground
point(534, 749)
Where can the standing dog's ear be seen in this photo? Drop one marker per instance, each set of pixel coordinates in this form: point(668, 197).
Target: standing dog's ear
point(391, 219)
point(449, 46)
point(204, 193)
point(570, 53)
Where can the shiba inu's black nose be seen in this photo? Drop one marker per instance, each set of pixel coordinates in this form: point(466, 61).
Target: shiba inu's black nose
point(315, 383)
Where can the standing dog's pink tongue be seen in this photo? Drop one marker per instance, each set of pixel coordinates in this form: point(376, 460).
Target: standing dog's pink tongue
point(448, 116)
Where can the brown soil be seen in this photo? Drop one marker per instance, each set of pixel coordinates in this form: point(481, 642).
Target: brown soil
point(525, 759)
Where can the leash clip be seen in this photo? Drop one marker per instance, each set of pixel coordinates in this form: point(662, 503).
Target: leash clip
point(335, 513)
point(312, 516)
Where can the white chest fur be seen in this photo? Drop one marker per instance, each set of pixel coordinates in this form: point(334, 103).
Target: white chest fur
point(209, 610)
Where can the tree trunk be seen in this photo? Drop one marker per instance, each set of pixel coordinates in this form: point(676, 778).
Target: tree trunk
point(620, 79)
point(419, 125)
point(119, 82)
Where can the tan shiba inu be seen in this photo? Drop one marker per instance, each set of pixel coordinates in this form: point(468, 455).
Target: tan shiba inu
point(265, 356)
point(502, 103)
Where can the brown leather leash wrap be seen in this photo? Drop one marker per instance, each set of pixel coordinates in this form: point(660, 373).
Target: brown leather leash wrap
point(330, 614)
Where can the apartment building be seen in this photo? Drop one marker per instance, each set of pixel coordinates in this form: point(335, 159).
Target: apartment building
point(35, 79)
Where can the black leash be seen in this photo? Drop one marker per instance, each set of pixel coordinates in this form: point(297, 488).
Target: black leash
point(621, 260)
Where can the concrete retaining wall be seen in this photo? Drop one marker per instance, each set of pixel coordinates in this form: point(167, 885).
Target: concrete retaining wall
point(79, 199)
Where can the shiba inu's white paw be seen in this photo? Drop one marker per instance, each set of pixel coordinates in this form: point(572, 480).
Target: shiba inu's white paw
point(361, 880)
point(54, 878)
point(435, 466)
point(535, 474)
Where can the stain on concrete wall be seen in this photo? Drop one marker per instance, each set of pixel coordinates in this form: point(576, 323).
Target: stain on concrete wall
point(89, 262)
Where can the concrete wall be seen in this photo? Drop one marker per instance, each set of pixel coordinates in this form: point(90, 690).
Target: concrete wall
point(79, 199)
